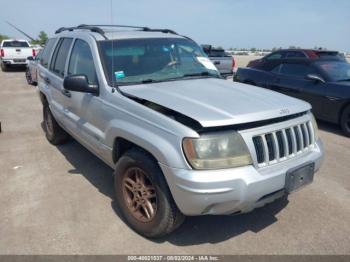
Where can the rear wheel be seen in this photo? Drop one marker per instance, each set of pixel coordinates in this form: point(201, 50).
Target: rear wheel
point(54, 133)
point(29, 77)
point(345, 121)
point(143, 197)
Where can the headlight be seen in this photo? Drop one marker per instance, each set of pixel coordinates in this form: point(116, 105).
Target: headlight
point(315, 127)
point(217, 151)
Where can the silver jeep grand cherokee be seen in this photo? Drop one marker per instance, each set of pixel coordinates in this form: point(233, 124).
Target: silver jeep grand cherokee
point(182, 140)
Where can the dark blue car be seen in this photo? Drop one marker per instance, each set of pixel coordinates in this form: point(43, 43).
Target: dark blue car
point(324, 83)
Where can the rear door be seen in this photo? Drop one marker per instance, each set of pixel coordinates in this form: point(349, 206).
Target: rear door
point(34, 67)
point(56, 75)
point(290, 79)
point(44, 74)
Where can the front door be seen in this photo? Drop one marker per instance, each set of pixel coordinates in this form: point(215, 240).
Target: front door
point(81, 108)
point(291, 80)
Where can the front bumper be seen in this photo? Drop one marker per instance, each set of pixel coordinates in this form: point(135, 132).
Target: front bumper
point(236, 190)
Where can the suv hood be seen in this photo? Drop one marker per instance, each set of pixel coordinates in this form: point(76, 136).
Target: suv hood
point(216, 102)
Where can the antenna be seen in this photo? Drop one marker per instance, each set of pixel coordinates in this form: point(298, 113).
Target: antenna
point(112, 57)
point(19, 30)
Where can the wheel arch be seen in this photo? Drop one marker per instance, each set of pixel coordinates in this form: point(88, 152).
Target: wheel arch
point(166, 148)
point(343, 107)
point(43, 98)
point(122, 145)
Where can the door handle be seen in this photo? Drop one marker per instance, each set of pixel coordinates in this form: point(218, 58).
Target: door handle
point(216, 62)
point(66, 93)
point(276, 80)
point(47, 80)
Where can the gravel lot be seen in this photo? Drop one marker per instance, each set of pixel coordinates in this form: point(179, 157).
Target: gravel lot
point(59, 200)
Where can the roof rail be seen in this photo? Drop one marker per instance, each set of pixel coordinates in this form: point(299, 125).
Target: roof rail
point(122, 26)
point(87, 27)
point(143, 28)
point(98, 29)
point(167, 31)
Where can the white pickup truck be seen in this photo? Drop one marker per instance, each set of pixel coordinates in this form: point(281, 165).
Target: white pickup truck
point(15, 53)
point(224, 62)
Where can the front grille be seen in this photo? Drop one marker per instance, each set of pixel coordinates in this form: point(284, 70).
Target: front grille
point(284, 143)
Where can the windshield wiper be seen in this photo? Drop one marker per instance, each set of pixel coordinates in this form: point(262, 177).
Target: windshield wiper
point(148, 80)
point(204, 73)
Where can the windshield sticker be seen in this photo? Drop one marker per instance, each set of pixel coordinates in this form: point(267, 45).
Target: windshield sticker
point(119, 74)
point(206, 62)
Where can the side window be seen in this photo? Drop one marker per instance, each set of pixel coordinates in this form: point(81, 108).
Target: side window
point(39, 55)
point(81, 61)
point(295, 54)
point(297, 70)
point(45, 57)
point(60, 55)
point(274, 56)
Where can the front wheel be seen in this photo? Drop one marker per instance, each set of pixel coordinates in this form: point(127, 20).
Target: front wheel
point(143, 197)
point(345, 121)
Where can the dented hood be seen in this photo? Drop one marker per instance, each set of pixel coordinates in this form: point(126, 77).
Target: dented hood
point(217, 102)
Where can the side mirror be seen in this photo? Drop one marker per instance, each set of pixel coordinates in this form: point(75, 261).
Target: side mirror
point(30, 58)
point(315, 78)
point(79, 83)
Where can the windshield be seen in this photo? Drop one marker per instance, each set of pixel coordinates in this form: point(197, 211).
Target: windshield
point(15, 44)
point(134, 61)
point(336, 70)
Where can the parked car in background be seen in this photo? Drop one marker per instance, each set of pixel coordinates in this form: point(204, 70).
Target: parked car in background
point(323, 82)
point(295, 53)
point(15, 53)
point(224, 62)
point(181, 139)
point(32, 69)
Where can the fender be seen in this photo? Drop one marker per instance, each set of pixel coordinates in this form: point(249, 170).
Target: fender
point(167, 149)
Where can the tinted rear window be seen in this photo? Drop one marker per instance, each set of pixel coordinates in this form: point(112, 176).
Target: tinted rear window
point(15, 44)
point(44, 61)
point(275, 55)
point(60, 56)
point(325, 53)
point(295, 54)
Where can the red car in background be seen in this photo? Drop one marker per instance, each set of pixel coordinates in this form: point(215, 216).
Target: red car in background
point(295, 53)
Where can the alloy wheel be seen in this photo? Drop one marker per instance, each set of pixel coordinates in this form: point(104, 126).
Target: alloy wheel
point(139, 195)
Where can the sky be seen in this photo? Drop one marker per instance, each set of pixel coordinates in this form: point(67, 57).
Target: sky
point(226, 23)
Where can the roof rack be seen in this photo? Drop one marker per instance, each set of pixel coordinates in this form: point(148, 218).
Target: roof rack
point(87, 27)
point(122, 26)
point(98, 29)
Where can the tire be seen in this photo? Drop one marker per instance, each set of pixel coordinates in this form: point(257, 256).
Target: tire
point(345, 121)
point(29, 77)
point(165, 217)
point(4, 67)
point(54, 133)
